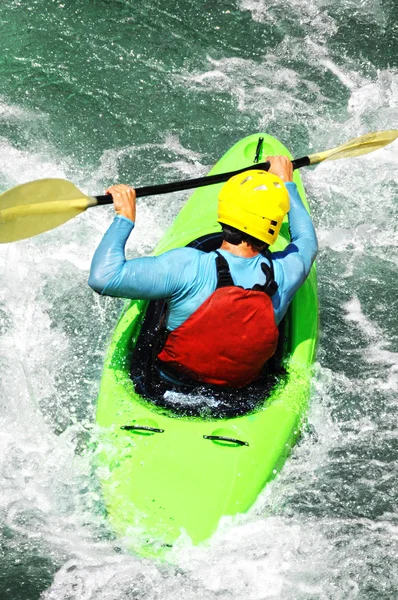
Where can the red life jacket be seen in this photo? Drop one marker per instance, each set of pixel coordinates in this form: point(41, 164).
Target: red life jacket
point(227, 340)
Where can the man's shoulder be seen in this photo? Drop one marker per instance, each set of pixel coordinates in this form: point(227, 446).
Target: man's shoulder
point(184, 253)
point(189, 268)
point(185, 256)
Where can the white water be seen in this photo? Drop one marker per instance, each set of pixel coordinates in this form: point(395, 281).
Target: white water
point(311, 533)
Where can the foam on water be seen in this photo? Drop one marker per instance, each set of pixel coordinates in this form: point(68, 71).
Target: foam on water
point(22, 166)
point(267, 89)
point(315, 19)
point(50, 362)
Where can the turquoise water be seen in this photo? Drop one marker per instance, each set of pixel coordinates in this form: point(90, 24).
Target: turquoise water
point(99, 92)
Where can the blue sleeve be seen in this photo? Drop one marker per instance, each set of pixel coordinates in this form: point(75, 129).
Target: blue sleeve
point(147, 278)
point(293, 264)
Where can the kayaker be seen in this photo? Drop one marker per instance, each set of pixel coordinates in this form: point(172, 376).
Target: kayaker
point(224, 307)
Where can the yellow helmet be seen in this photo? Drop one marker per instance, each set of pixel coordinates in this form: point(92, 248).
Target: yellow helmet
point(255, 202)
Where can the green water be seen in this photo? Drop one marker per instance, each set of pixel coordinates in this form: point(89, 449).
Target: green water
point(105, 91)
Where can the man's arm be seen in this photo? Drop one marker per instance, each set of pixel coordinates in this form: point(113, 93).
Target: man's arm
point(147, 278)
point(302, 232)
point(293, 264)
point(303, 246)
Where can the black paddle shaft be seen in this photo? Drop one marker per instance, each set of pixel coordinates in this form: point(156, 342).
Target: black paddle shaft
point(189, 184)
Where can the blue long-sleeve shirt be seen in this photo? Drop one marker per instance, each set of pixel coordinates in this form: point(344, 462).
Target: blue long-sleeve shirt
point(186, 277)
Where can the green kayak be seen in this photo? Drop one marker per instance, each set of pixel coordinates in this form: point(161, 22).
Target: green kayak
point(166, 471)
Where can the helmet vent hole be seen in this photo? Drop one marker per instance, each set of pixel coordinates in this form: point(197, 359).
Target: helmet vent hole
point(271, 231)
point(246, 179)
point(274, 223)
point(260, 187)
point(277, 184)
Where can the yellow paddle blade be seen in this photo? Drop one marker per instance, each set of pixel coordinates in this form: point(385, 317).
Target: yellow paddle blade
point(357, 146)
point(32, 208)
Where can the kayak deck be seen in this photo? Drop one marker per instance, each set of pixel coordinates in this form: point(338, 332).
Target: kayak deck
point(164, 473)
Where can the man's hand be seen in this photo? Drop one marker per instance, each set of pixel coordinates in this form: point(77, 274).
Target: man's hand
point(281, 166)
point(124, 200)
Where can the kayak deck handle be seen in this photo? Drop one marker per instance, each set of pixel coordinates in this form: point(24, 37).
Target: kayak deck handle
point(259, 149)
point(222, 438)
point(145, 428)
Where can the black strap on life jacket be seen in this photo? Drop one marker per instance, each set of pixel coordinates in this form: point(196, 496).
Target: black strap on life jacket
point(224, 278)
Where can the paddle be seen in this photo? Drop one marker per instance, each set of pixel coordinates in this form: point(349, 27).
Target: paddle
point(33, 208)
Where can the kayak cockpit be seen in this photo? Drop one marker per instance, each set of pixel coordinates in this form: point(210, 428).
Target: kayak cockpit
point(164, 388)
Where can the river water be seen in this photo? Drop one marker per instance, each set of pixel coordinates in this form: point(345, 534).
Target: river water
point(99, 91)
